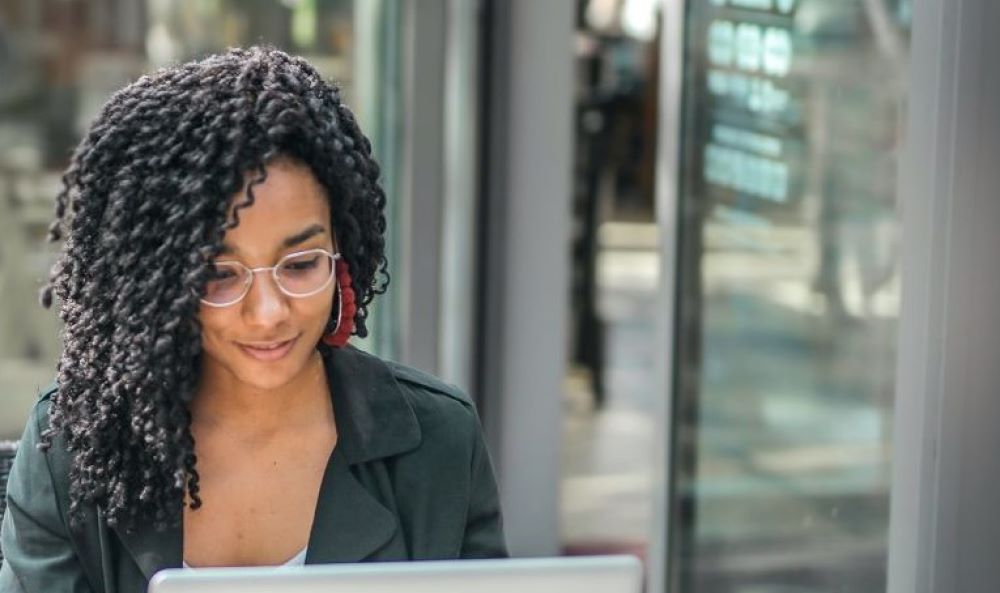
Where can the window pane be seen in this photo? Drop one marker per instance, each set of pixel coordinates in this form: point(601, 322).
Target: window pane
point(789, 294)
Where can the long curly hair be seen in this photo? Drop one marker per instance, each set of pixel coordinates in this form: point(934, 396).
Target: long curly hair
point(143, 207)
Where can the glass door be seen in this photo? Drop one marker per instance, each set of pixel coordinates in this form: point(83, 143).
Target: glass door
point(787, 295)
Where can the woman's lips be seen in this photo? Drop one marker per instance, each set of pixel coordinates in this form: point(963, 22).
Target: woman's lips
point(268, 352)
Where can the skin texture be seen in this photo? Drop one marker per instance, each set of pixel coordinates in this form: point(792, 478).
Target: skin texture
point(263, 429)
point(166, 174)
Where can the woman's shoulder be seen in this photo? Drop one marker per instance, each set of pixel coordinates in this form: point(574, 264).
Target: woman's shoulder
point(56, 456)
point(375, 375)
point(428, 387)
point(427, 391)
point(452, 445)
point(39, 473)
point(441, 409)
point(38, 417)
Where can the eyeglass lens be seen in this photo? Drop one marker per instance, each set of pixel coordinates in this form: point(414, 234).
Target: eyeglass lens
point(297, 275)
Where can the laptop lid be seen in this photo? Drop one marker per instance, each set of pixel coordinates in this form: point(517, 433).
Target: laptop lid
point(581, 574)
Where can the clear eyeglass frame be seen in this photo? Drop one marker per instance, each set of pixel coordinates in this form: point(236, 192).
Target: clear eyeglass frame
point(251, 273)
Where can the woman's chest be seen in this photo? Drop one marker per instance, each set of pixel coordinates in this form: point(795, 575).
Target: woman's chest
point(256, 509)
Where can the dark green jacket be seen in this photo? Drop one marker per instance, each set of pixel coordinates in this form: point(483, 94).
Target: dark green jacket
point(410, 478)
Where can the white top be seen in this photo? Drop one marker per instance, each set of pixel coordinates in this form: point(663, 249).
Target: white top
point(296, 560)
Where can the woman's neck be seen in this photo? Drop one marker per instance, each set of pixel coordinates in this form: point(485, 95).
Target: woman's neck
point(223, 403)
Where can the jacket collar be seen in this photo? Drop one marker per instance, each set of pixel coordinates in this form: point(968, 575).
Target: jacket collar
point(374, 420)
point(374, 417)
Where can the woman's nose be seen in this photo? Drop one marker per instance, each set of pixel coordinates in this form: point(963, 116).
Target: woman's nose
point(265, 304)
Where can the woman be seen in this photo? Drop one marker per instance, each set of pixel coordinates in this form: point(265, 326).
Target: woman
point(224, 236)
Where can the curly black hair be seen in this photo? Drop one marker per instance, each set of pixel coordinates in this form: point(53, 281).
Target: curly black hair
point(144, 205)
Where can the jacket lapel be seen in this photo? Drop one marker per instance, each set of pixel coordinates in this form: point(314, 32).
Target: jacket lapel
point(154, 550)
point(374, 418)
point(350, 524)
point(374, 421)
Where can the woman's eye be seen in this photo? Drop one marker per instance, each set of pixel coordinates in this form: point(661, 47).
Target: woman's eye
point(221, 273)
point(301, 265)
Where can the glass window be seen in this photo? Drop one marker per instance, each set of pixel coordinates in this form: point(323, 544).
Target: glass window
point(61, 60)
point(788, 294)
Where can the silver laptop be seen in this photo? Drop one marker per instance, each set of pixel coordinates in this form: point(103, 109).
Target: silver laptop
point(580, 574)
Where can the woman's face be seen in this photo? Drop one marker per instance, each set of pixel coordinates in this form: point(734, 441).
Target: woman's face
point(267, 339)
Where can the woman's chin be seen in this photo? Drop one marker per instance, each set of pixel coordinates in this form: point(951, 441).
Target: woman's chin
point(268, 369)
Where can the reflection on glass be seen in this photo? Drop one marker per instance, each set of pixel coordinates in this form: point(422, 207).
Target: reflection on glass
point(59, 62)
point(789, 295)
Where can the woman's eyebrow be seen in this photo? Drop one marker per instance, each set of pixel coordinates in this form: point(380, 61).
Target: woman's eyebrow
point(299, 237)
point(291, 241)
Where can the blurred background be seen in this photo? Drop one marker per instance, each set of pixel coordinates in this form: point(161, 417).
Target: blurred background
point(739, 409)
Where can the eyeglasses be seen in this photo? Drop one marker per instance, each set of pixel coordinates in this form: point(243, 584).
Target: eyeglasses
point(298, 275)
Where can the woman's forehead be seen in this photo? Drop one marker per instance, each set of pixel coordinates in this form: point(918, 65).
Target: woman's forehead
point(288, 203)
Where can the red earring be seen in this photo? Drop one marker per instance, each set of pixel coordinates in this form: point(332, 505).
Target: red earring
point(346, 308)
